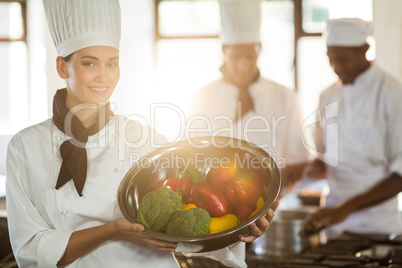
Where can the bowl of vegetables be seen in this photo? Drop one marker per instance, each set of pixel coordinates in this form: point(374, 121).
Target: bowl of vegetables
point(202, 193)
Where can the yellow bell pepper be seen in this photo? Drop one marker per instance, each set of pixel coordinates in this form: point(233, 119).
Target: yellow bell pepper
point(188, 206)
point(260, 203)
point(220, 224)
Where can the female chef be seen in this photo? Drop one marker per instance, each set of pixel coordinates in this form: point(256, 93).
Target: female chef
point(63, 174)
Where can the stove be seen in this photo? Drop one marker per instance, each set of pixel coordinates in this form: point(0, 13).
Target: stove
point(347, 250)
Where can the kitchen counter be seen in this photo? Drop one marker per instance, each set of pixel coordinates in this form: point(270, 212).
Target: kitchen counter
point(347, 250)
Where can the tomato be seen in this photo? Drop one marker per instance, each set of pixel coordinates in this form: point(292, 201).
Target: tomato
point(182, 185)
point(172, 184)
point(243, 212)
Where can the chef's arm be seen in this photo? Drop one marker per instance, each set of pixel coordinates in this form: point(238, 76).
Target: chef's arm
point(384, 190)
point(290, 175)
point(293, 173)
point(84, 241)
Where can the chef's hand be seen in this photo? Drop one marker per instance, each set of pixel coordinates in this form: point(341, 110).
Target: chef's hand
point(327, 217)
point(134, 232)
point(260, 226)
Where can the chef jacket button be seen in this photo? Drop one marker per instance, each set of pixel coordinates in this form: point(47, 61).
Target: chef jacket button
point(58, 138)
point(64, 212)
point(117, 170)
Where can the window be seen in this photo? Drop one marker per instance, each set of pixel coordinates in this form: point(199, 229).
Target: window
point(188, 50)
point(187, 53)
point(313, 72)
point(23, 64)
point(191, 19)
point(187, 47)
point(13, 62)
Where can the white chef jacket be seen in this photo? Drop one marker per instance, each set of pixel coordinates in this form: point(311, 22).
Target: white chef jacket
point(275, 123)
point(369, 146)
point(41, 219)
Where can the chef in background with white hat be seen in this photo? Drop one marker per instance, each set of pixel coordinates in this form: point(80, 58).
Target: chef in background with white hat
point(63, 174)
point(366, 179)
point(255, 109)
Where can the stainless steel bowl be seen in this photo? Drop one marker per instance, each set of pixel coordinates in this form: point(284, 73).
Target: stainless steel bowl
point(206, 152)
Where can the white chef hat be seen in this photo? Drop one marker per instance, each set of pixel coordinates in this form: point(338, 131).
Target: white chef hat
point(241, 21)
point(348, 32)
point(76, 24)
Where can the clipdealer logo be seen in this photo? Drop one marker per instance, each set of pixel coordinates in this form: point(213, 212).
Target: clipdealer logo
point(326, 133)
point(325, 125)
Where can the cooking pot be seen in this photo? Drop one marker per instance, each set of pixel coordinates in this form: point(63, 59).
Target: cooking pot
point(284, 236)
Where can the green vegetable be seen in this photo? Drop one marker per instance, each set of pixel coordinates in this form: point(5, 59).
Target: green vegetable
point(192, 173)
point(192, 222)
point(157, 208)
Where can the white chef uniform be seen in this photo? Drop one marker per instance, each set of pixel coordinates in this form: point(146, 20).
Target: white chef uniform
point(41, 218)
point(275, 123)
point(370, 147)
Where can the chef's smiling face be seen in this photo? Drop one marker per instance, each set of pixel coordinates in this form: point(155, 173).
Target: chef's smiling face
point(348, 62)
point(241, 62)
point(91, 74)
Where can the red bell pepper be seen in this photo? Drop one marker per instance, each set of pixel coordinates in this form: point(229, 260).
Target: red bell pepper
point(220, 177)
point(205, 196)
point(243, 189)
point(182, 185)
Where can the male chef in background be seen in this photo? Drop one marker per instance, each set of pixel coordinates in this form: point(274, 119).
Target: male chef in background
point(244, 105)
point(367, 178)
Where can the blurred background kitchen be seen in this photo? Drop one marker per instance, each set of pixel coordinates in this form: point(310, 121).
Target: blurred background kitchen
point(171, 48)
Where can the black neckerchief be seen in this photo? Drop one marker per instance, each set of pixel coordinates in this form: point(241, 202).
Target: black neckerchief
point(73, 152)
point(244, 97)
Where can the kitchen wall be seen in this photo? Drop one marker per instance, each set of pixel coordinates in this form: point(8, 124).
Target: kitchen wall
point(136, 73)
point(388, 35)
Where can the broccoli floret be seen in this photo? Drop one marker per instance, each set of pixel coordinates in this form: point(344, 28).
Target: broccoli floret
point(191, 222)
point(157, 207)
